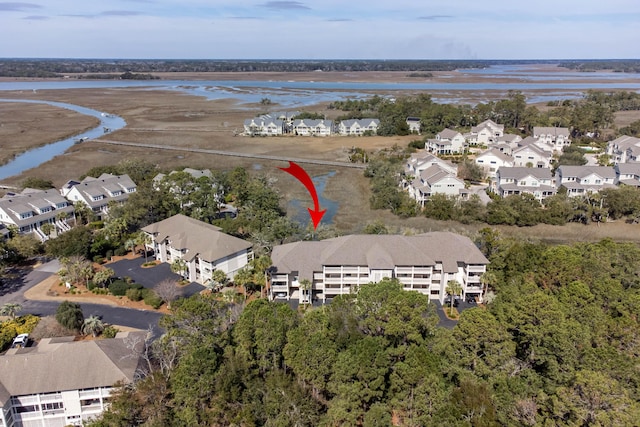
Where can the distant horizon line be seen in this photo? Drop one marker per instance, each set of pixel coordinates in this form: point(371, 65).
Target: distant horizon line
point(543, 60)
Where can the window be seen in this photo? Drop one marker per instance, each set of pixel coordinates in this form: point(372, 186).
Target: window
point(52, 406)
point(27, 408)
point(89, 402)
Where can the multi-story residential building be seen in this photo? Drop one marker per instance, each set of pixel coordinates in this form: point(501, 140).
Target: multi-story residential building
point(98, 193)
point(264, 126)
point(434, 180)
point(486, 132)
point(424, 263)
point(31, 209)
point(271, 124)
point(309, 127)
point(555, 137)
point(530, 155)
point(492, 159)
point(508, 138)
point(519, 180)
point(628, 174)
point(203, 247)
point(582, 180)
point(422, 160)
point(446, 142)
point(414, 124)
point(621, 146)
point(62, 382)
point(358, 127)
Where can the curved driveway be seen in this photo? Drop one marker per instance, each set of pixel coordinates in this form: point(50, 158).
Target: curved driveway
point(13, 291)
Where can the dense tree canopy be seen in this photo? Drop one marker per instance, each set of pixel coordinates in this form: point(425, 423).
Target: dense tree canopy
point(557, 346)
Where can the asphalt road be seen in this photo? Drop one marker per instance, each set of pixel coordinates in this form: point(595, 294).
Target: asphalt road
point(13, 291)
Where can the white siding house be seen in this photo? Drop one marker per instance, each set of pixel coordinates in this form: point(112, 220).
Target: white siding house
point(519, 180)
point(358, 127)
point(492, 159)
point(97, 193)
point(31, 209)
point(447, 142)
point(555, 137)
point(582, 180)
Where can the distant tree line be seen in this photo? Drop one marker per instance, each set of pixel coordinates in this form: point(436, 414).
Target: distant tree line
point(618, 66)
point(59, 67)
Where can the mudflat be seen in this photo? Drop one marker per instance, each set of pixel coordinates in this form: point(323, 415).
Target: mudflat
point(171, 118)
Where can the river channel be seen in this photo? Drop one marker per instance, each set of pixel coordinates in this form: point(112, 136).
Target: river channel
point(35, 157)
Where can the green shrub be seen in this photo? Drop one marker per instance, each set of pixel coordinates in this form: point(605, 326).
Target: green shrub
point(110, 332)
point(90, 285)
point(98, 259)
point(120, 252)
point(151, 298)
point(69, 314)
point(134, 294)
point(109, 254)
point(118, 288)
point(96, 225)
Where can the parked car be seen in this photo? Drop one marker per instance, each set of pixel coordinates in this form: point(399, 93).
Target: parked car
point(471, 299)
point(20, 341)
point(447, 301)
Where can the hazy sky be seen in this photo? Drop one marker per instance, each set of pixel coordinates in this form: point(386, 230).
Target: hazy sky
point(321, 29)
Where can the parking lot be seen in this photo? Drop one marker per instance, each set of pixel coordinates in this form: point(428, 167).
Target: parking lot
point(149, 277)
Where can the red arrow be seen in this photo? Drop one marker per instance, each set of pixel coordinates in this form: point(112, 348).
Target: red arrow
point(302, 176)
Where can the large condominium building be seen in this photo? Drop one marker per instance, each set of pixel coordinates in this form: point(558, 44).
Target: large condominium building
point(62, 382)
point(320, 270)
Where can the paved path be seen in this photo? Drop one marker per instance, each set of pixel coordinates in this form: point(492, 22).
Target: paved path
point(234, 154)
point(14, 292)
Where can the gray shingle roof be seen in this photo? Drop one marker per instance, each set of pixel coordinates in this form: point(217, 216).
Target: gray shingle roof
point(447, 134)
point(523, 172)
point(550, 130)
point(377, 252)
point(60, 365)
point(201, 239)
point(582, 171)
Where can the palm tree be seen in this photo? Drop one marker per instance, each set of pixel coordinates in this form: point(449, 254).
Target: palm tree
point(86, 273)
point(82, 211)
point(103, 276)
point(219, 278)
point(305, 286)
point(260, 267)
point(92, 325)
point(453, 289)
point(130, 245)
point(10, 309)
point(47, 229)
point(487, 278)
point(143, 239)
point(179, 266)
point(243, 277)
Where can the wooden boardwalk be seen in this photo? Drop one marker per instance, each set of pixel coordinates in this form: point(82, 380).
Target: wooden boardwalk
point(234, 154)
